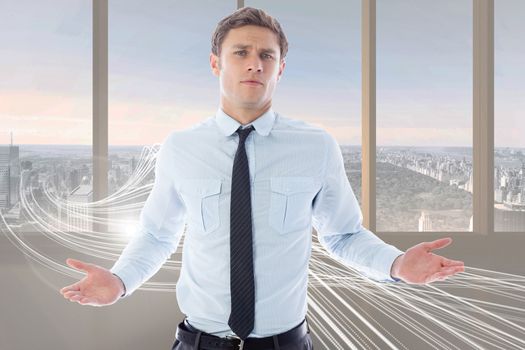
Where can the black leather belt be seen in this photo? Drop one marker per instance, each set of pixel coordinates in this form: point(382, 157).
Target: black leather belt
point(187, 334)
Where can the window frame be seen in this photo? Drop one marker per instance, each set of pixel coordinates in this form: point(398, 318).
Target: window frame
point(483, 121)
point(483, 117)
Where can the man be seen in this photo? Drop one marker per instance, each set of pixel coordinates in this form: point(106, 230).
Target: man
point(250, 183)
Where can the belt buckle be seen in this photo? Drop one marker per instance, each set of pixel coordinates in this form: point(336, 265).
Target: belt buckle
point(241, 344)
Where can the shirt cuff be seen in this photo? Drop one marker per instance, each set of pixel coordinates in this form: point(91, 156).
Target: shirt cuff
point(128, 280)
point(388, 256)
point(123, 285)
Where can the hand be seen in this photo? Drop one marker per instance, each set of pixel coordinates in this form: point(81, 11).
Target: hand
point(100, 287)
point(419, 266)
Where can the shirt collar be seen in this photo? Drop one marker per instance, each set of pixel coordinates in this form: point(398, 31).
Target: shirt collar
point(263, 125)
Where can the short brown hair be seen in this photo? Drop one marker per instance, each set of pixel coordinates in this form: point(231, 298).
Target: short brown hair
point(243, 17)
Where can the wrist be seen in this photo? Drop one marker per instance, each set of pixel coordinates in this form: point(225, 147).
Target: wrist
point(123, 286)
point(396, 265)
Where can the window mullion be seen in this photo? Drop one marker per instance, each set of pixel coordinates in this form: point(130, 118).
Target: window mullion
point(483, 117)
point(368, 93)
point(100, 100)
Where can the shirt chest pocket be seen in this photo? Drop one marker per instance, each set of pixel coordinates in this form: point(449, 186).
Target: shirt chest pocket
point(201, 197)
point(291, 203)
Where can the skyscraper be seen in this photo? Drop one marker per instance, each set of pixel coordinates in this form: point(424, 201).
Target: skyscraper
point(9, 175)
point(78, 213)
point(425, 224)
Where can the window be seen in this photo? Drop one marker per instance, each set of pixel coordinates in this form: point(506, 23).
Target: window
point(509, 124)
point(424, 115)
point(321, 83)
point(46, 113)
point(160, 80)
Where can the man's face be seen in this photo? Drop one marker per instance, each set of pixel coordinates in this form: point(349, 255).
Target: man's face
point(248, 53)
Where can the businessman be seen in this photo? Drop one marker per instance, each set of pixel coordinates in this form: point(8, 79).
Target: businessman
point(250, 183)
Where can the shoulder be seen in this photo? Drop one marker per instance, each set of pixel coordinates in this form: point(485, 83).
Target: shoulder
point(182, 136)
point(315, 132)
point(284, 122)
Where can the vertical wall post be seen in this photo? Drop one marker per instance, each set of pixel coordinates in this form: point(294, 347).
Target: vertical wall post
point(368, 51)
point(100, 101)
point(483, 118)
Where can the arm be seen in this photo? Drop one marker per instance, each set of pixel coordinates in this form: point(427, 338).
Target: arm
point(337, 219)
point(420, 266)
point(161, 221)
point(160, 230)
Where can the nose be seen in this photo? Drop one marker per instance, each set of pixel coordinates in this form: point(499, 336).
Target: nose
point(255, 64)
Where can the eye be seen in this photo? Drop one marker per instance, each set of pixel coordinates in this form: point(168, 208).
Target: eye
point(239, 52)
point(268, 56)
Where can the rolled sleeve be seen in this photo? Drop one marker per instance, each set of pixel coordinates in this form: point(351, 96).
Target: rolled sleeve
point(161, 222)
point(337, 218)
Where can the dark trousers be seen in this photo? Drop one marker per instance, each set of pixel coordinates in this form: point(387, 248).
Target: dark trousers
point(302, 344)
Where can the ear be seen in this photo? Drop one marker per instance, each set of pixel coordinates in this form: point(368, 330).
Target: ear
point(281, 69)
point(215, 64)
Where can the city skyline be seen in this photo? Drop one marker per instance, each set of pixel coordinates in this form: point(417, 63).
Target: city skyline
point(341, 144)
point(418, 189)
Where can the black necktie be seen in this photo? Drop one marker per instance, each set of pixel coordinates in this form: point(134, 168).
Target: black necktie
point(242, 285)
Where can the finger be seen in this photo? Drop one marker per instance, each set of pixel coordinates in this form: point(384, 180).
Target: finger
point(437, 244)
point(449, 271)
point(439, 276)
point(455, 269)
point(74, 287)
point(71, 293)
point(80, 265)
point(460, 268)
point(76, 297)
point(449, 262)
point(87, 300)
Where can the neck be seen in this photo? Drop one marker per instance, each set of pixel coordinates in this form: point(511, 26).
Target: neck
point(245, 115)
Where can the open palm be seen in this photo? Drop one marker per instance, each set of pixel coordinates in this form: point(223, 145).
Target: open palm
point(98, 288)
point(418, 265)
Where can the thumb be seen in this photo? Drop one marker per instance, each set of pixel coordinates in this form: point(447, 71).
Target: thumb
point(437, 244)
point(79, 265)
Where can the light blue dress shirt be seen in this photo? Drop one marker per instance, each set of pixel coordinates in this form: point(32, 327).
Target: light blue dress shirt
point(297, 180)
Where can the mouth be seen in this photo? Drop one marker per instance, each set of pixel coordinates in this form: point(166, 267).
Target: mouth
point(251, 82)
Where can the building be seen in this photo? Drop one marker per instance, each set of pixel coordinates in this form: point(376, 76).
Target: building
point(78, 213)
point(425, 224)
point(9, 176)
point(509, 217)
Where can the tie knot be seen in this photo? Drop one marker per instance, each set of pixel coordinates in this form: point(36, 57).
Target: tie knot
point(243, 133)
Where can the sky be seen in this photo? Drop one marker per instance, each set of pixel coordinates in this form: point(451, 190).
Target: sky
point(160, 79)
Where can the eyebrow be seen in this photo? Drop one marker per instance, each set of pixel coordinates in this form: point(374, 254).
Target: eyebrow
point(241, 46)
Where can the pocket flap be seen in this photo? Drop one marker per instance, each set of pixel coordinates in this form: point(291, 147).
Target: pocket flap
point(289, 185)
point(200, 187)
